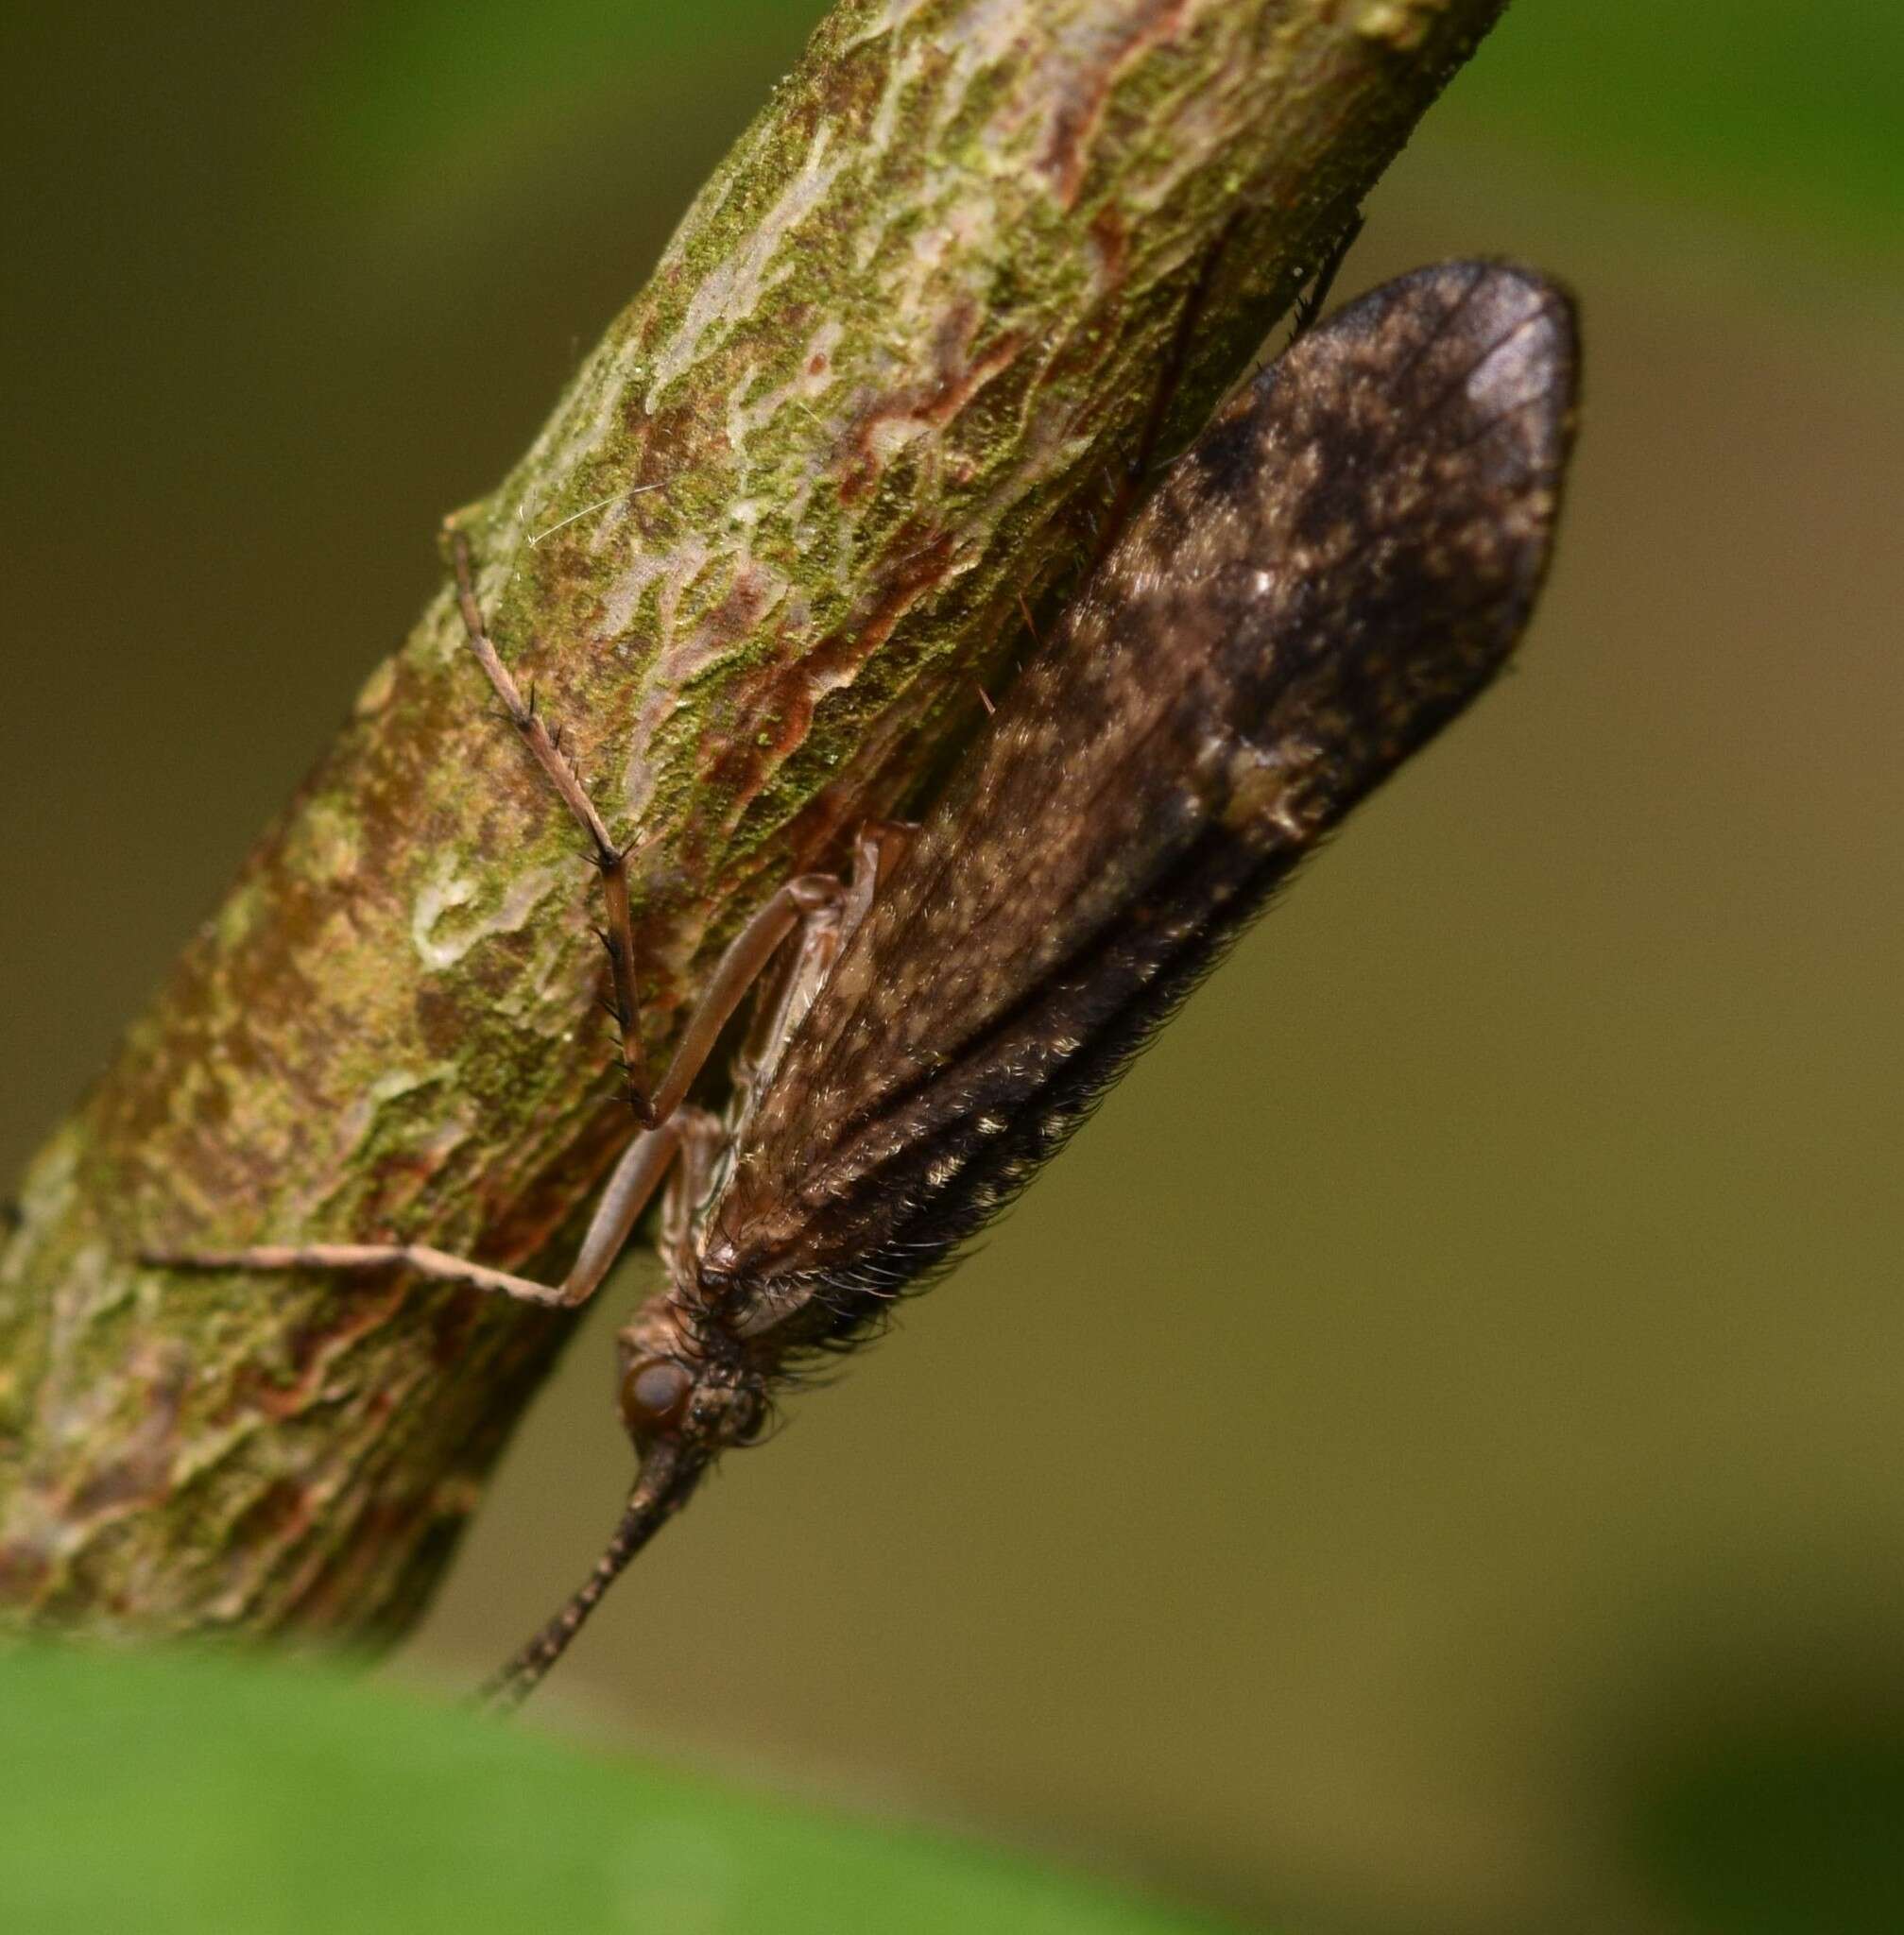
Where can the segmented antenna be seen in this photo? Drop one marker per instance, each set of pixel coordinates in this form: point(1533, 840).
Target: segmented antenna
point(669, 1475)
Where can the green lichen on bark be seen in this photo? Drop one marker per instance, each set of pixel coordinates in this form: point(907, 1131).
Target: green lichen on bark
point(877, 389)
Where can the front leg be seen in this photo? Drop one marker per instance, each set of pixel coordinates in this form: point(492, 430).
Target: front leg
point(812, 900)
point(643, 1166)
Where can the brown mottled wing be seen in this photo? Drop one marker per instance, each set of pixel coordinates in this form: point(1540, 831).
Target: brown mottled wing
point(1342, 559)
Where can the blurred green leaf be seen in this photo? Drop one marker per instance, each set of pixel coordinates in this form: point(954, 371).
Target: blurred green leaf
point(202, 1795)
point(473, 90)
point(1776, 113)
point(1792, 113)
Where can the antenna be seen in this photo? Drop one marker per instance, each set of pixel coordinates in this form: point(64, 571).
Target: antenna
point(669, 1474)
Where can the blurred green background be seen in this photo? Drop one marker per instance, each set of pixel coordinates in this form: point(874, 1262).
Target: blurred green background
point(1430, 1456)
point(175, 1795)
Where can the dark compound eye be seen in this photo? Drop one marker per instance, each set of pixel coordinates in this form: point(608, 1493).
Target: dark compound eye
point(654, 1396)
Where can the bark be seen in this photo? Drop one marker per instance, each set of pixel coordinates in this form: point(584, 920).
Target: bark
point(877, 388)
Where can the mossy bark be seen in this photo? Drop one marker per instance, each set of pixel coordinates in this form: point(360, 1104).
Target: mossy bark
point(877, 390)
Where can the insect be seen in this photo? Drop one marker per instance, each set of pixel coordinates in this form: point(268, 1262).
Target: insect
point(1334, 570)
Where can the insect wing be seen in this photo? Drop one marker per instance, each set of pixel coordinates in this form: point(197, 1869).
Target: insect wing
point(1341, 560)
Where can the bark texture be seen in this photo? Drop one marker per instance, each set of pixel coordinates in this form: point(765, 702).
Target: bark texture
point(877, 388)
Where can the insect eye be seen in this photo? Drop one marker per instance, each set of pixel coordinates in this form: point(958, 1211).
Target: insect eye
point(655, 1395)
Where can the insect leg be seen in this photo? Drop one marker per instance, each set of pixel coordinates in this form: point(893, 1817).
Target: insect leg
point(802, 897)
point(1309, 304)
point(643, 1163)
point(610, 860)
point(877, 850)
point(814, 898)
point(634, 1180)
point(703, 1136)
point(825, 931)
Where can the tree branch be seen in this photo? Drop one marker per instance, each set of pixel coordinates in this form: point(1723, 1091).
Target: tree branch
point(880, 385)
